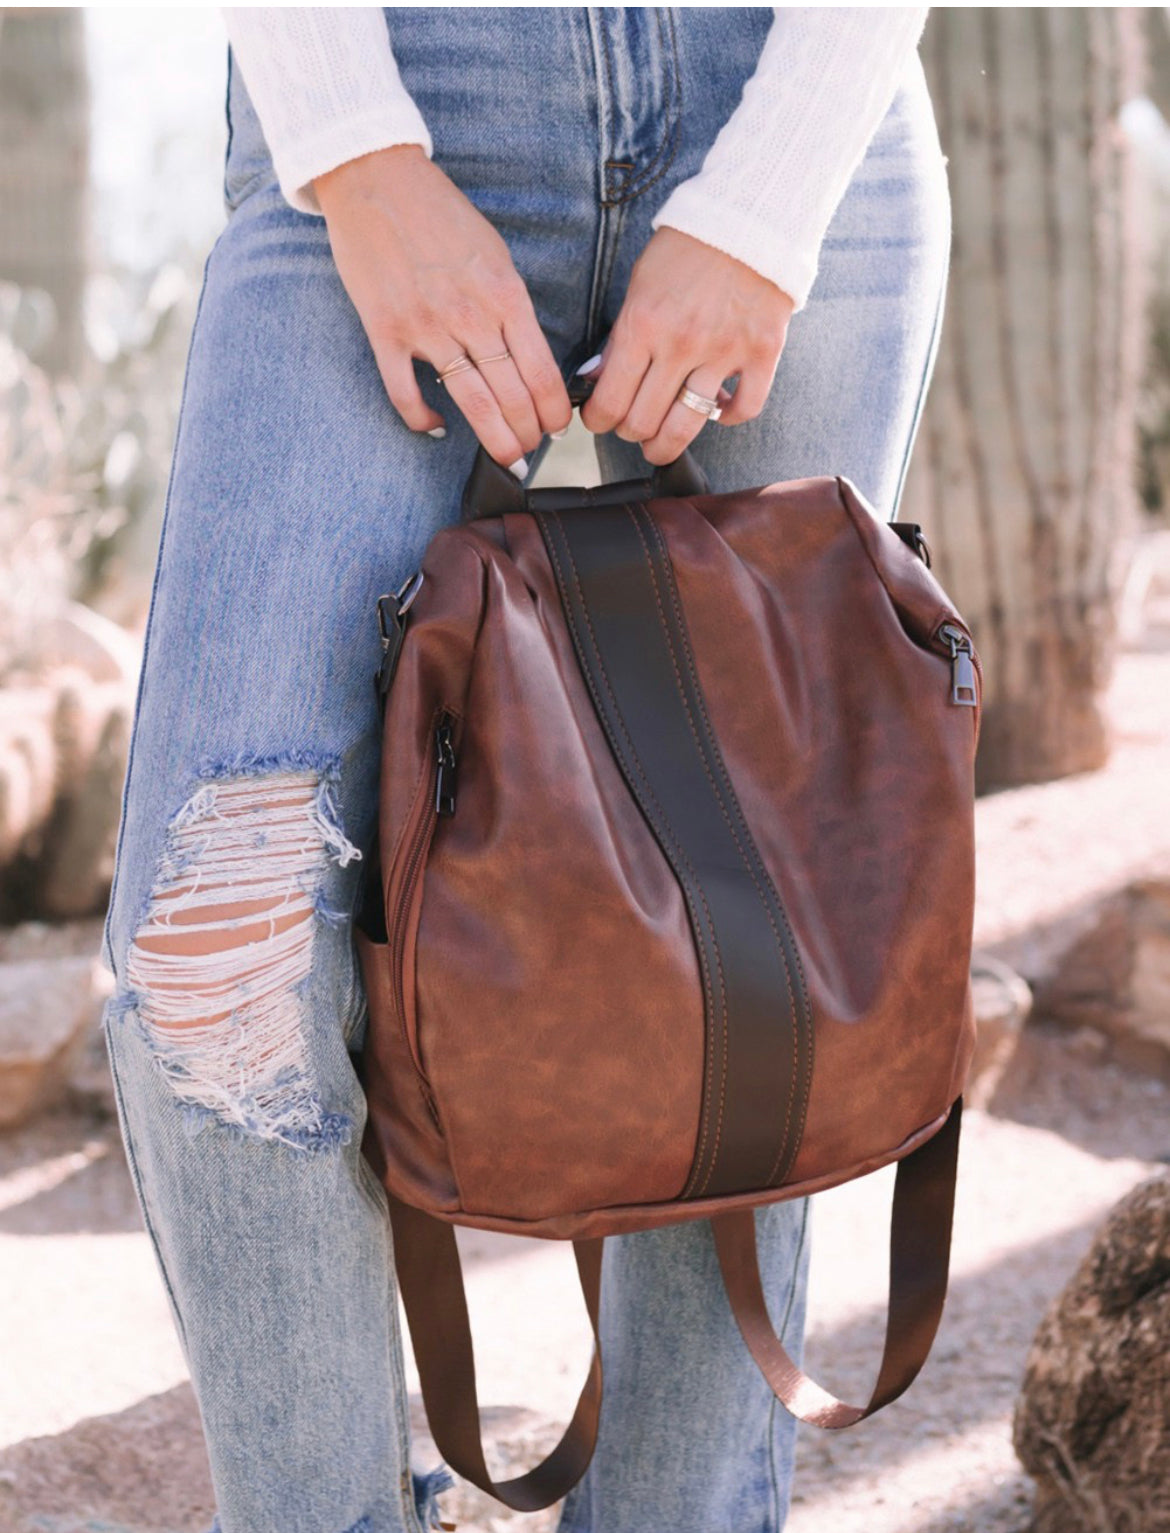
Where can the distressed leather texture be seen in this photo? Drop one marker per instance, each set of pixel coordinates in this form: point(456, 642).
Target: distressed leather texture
point(543, 1050)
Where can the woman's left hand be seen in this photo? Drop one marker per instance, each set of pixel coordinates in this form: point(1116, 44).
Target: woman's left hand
point(691, 315)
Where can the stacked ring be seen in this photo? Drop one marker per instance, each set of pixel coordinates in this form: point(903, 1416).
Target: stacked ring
point(711, 408)
point(463, 362)
point(460, 365)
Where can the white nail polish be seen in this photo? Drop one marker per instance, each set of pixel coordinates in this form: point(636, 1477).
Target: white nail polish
point(437, 432)
point(557, 435)
point(588, 367)
point(519, 468)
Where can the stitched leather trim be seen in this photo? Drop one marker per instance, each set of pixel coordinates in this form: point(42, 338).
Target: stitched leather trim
point(782, 933)
point(625, 618)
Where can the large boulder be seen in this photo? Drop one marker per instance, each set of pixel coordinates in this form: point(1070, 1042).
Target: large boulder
point(1092, 1425)
point(1111, 973)
point(49, 1008)
point(65, 723)
point(1003, 1003)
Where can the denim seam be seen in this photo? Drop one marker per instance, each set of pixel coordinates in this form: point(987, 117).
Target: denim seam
point(372, 1186)
point(136, 1177)
point(609, 223)
point(227, 113)
point(251, 184)
point(107, 943)
point(608, 239)
point(669, 143)
point(797, 1258)
point(607, 62)
point(233, 197)
point(923, 387)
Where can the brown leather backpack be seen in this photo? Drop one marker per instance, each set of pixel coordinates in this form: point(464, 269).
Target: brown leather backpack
point(674, 909)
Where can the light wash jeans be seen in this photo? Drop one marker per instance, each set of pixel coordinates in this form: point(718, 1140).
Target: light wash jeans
point(297, 496)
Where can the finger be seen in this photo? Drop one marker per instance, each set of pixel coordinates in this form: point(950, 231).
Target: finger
point(473, 395)
point(751, 394)
point(397, 369)
point(538, 368)
point(682, 424)
point(649, 408)
point(623, 365)
point(502, 377)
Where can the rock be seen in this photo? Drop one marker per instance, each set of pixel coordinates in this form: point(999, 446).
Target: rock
point(28, 764)
point(1092, 1425)
point(78, 865)
point(1111, 974)
point(1143, 609)
point(89, 1085)
point(139, 1470)
point(64, 745)
point(1002, 1004)
point(48, 1008)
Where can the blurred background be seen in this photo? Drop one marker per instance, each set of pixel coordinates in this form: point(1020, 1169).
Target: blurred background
point(1041, 477)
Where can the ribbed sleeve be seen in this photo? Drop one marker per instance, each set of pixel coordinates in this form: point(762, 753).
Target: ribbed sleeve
point(771, 181)
point(325, 87)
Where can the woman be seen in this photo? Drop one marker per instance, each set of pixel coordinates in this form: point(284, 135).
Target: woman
point(500, 196)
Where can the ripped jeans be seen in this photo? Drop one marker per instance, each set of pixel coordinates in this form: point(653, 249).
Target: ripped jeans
point(297, 496)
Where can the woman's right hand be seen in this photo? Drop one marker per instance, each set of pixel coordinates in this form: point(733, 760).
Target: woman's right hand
point(430, 277)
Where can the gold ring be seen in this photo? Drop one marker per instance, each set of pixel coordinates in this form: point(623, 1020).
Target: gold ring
point(711, 408)
point(500, 356)
point(460, 365)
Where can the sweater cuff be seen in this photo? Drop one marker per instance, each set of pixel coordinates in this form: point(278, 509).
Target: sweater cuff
point(298, 163)
point(788, 261)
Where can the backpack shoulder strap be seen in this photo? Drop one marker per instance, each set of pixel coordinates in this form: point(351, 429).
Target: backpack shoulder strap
point(920, 1242)
point(431, 1283)
point(430, 1280)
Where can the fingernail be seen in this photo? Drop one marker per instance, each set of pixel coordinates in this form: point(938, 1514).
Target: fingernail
point(588, 367)
point(437, 431)
point(519, 468)
point(557, 435)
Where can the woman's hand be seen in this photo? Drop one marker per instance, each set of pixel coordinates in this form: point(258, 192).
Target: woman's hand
point(691, 315)
point(430, 277)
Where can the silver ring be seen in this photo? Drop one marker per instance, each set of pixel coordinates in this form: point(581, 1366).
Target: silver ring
point(711, 408)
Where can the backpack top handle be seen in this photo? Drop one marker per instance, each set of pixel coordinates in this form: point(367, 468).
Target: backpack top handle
point(492, 490)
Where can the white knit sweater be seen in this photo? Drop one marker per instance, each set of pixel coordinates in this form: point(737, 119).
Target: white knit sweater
point(326, 89)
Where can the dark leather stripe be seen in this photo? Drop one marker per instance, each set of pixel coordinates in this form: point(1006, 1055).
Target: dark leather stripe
point(781, 929)
point(626, 621)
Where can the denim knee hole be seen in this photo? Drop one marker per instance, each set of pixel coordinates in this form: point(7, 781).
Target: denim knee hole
point(217, 968)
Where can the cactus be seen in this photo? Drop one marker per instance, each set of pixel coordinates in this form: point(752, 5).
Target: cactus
point(1024, 466)
point(44, 168)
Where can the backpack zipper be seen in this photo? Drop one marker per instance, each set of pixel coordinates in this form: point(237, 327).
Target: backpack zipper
point(446, 766)
point(438, 802)
point(965, 666)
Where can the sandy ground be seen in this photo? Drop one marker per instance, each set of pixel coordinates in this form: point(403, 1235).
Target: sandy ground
point(99, 1429)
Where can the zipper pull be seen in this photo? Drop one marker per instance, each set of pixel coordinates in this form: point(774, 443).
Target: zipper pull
point(445, 772)
point(963, 688)
point(392, 612)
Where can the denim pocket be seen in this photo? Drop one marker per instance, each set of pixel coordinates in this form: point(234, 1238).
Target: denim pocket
point(247, 163)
